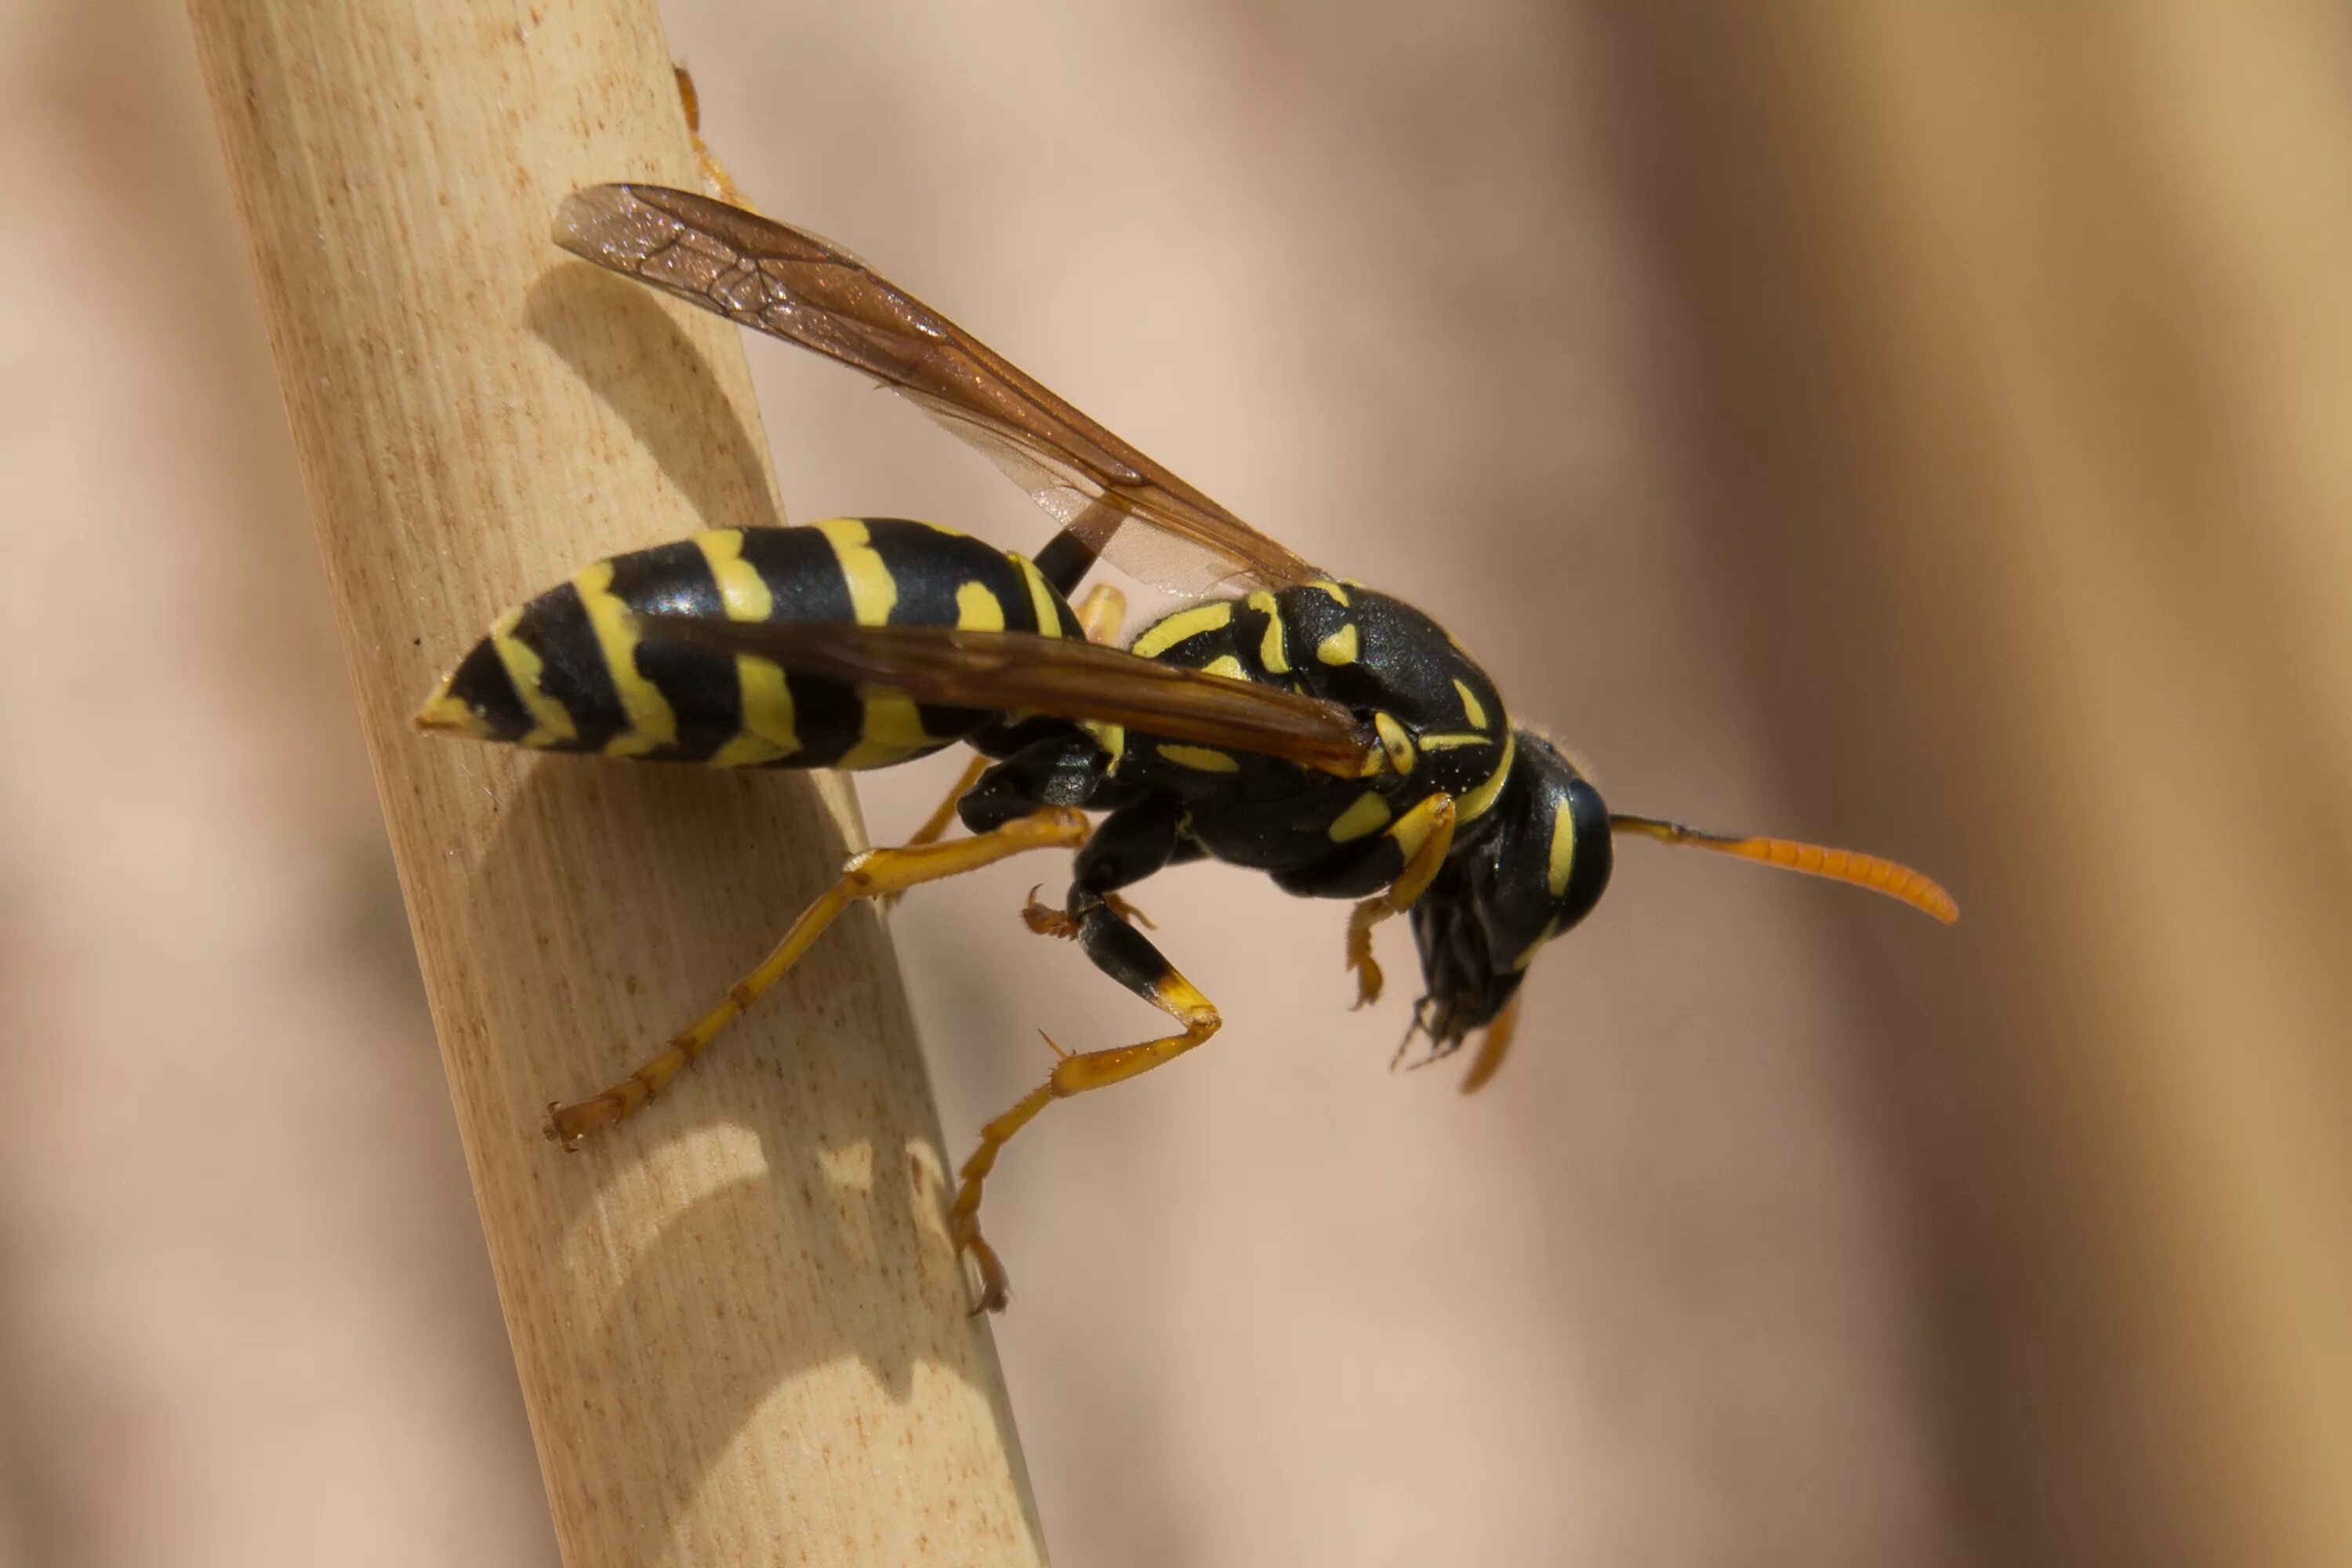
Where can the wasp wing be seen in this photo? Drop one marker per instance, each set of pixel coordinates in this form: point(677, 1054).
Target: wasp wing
point(807, 290)
point(1059, 677)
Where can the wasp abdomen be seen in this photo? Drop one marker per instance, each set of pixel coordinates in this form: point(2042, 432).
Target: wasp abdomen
point(569, 672)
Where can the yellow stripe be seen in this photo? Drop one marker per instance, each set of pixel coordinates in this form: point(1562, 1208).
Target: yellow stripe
point(770, 724)
point(1471, 707)
point(1340, 647)
point(1201, 758)
point(1474, 804)
point(1183, 624)
point(1271, 652)
point(1042, 598)
point(892, 732)
point(651, 721)
point(741, 590)
point(445, 713)
point(873, 592)
point(1333, 589)
point(1454, 740)
point(978, 610)
point(1226, 665)
point(1563, 848)
point(1368, 814)
point(550, 721)
point(769, 730)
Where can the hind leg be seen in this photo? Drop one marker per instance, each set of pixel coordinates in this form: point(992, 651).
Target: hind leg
point(874, 874)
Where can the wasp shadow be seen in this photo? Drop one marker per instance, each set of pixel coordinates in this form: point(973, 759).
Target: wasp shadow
point(841, 1230)
point(669, 395)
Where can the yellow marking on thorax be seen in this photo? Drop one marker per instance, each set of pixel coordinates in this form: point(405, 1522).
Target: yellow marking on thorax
point(1454, 740)
point(1226, 665)
point(1368, 814)
point(1472, 709)
point(1270, 651)
point(873, 592)
point(1042, 602)
point(1563, 848)
point(1191, 623)
point(769, 730)
point(650, 720)
point(1201, 758)
point(1340, 647)
point(1333, 589)
point(1394, 741)
point(550, 721)
point(1111, 738)
point(979, 610)
point(1474, 804)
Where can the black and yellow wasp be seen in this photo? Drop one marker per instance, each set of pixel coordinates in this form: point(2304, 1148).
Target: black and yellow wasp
point(1286, 720)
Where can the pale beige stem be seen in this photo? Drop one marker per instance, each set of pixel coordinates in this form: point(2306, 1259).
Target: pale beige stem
point(739, 1321)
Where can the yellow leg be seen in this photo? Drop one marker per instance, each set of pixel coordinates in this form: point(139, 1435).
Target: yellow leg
point(1493, 1048)
point(943, 816)
point(870, 875)
point(1101, 613)
point(1425, 833)
point(715, 177)
point(1072, 1074)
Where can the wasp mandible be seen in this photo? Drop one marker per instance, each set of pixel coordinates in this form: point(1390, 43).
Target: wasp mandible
point(1284, 719)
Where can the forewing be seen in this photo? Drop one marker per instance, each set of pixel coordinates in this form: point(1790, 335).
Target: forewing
point(1063, 677)
point(788, 282)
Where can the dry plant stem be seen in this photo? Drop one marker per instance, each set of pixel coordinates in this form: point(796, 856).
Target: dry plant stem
point(739, 1322)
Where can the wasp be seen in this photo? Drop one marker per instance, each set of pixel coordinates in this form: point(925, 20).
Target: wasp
point(1282, 719)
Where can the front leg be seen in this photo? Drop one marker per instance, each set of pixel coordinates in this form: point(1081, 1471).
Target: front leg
point(1425, 834)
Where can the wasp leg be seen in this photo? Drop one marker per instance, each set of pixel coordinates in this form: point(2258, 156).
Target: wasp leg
point(1046, 920)
point(1494, 1047)
point(870, 875)
point(714, 174)
point(1121, 951)
point(1425, 834)
point(1099, 614)
point(937, 822)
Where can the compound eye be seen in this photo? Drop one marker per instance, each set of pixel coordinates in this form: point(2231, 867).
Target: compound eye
point(1395, 742)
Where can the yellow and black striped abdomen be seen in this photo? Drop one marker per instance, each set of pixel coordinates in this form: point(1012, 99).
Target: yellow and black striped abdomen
point(567, 672)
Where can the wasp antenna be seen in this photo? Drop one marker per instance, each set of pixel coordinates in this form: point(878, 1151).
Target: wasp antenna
point(1880, 876)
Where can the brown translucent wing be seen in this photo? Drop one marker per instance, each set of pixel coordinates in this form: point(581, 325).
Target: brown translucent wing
point(1063, 677)
point(789, 283)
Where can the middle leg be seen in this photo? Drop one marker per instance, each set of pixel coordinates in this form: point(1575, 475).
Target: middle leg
point(1131, 844)
point(1125, 954)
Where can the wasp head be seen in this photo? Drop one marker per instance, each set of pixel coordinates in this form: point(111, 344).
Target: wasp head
point(1537, 870)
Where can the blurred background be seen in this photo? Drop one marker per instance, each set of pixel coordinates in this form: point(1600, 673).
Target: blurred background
point(1916, 427)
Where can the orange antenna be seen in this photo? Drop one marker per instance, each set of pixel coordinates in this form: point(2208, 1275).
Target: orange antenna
point(1915, 888)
